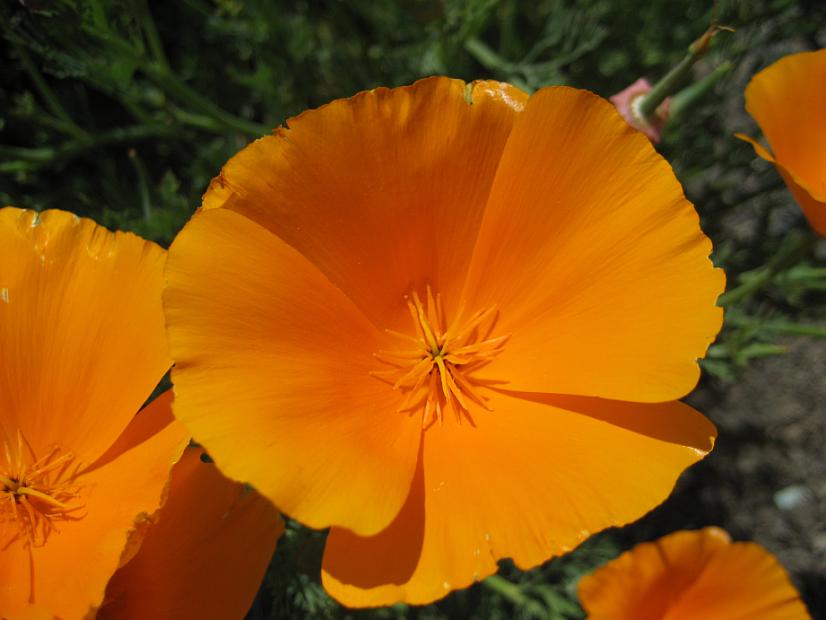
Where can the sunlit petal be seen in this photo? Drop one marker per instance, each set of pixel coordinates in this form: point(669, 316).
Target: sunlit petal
point(532, 479)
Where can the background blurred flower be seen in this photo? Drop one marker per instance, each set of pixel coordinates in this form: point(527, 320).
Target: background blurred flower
point(81, 348)
point(689, 575)
point(381, 315)
point(788, 101)
point(206, 555)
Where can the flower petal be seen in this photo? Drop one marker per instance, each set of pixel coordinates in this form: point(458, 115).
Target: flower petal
point(594, 257)
point(68, 574)
point(82, 341)
point(689, 575)
point(272, 376)
point(206, 555)
point(383, 191)
point(813, 209)
point(788, 101)
point(532, 479)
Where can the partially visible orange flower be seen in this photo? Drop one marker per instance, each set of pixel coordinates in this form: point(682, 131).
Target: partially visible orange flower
point(788, 101)
point(692, 575)
point(81, 348)
point(450, 321)
point(206, 555)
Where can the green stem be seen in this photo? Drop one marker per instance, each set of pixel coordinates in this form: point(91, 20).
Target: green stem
point(751, 282)
point(687, 97)
point(778, 327)
point(32, 158)
point(667, 85)
point(486, 57)
point(513, 593)
point(143, 184)
point(169, 82)
point(50, 99)
point(677, 76)
point(152, 37)
point(163, 77)
point(199, 121)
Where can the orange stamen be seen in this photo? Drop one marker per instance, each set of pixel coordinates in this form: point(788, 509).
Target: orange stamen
point(35, 493)
point(439, 373)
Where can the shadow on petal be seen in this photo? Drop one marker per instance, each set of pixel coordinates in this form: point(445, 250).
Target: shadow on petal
point(364, 562)
point(674, 422)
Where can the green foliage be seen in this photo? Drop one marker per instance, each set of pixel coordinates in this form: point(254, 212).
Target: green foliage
point(123, 110)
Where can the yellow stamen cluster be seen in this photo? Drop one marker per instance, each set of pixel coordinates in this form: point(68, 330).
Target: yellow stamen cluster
point(440, 372)
point(35, 493)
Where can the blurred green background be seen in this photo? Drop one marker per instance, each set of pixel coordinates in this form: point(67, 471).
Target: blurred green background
point(124, 110)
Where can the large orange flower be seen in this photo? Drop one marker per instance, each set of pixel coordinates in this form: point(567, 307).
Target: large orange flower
point(449, 321)
point(692, 575)
point(81, 348)
point(788, 101)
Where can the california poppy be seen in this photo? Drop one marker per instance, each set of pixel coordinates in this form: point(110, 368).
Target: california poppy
point(788, 101)
point(81, 348)
point(450, 321)
point(689, 575)
point(82, 477)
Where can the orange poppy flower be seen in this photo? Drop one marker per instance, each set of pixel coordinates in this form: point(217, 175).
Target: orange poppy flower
point(691, 575)
point(449, 321)
point(206, 555)
point(81, 348)
point(81, 326)
point(788, 101)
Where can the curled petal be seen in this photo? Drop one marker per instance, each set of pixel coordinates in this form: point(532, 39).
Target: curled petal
point(206, 554)
point(788, 101)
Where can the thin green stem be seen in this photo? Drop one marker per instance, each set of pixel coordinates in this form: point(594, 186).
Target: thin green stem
point(143, 184)
point(687, 97)
point(667, 85)
point(192, 119)
point(790, 251)
point(486, 57)
point(675, 78)
point(513, 593)
point(153, 39)
point(168, 81)
point(32, 158)
point(50, 99)
point(780, 327)
point(165, 79)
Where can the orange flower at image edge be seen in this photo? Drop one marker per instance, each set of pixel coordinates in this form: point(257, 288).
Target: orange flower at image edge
point(690, 575)
point(451, 322)
point(788, 101)
point(81, 477)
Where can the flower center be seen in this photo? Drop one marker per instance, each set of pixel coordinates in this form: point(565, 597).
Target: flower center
point(36, 493)
point(440, 372)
